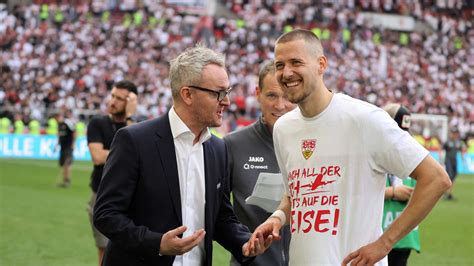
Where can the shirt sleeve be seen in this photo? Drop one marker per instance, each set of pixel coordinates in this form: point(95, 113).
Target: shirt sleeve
point(93, 132)
point(391, 149)
point(281, 165)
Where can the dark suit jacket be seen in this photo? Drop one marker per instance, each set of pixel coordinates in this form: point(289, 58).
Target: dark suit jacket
point(139, 197)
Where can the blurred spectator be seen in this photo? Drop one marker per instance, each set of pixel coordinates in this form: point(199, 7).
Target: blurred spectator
point(470, 144)
point(34, 127)
point(80, 128)
point(52, 128)
point(66, 139)
point(18, 124)
point(452, 147)
point(5, 124)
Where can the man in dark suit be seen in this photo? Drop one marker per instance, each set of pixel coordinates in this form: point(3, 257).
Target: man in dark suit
point(164, 194)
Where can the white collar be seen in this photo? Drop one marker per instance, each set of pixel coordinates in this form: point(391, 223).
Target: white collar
point(178, 127)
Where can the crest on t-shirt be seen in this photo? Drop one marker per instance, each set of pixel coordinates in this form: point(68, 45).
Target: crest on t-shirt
point(307, 147)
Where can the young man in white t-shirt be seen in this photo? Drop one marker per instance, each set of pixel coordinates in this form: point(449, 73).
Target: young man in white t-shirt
point(333, 152)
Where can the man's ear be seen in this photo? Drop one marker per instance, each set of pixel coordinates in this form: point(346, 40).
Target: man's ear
point(258, 93)
point(323, 64)
point(186, 95)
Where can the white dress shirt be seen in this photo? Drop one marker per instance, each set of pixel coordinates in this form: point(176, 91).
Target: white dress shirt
point(190, 161)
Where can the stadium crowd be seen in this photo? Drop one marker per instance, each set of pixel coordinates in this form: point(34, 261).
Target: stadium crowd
point(68, 56)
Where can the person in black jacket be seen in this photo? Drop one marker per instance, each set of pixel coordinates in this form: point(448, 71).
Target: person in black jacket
point(164, 194)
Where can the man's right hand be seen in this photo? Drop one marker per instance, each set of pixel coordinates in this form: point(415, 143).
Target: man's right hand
point(172, 244)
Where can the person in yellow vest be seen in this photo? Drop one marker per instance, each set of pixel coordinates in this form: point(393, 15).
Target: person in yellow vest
point(127, 20)
point(240, 23)
point(404, 39)
point(105, 17)
point(435, 145)
point(458, 43)
point(5, 124)
point(152, 22)
point(44, 12)
point(58, 17)
point(52, 128)
point(377, 38)
point(316, 31)
point(419, 138)
point(326, 35)
point(470, 144)
point(346, 35)
point(80, 129)
point(287, 28)
point(19, 125)
point(34, 127)
point(346, 38)
point(138, 18)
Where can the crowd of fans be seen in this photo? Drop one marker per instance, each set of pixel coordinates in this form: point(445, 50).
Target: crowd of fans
point(68, 56)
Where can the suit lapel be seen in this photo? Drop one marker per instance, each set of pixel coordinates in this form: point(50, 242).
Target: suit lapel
point(167, 154)
point(209, 173)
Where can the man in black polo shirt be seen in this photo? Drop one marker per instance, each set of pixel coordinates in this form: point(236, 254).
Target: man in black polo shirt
point(66, 138)
point(100, 133)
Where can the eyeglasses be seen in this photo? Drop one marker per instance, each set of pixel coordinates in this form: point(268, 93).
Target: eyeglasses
point(220, 94)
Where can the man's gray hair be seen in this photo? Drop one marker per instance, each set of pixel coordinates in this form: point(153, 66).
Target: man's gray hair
point(186, 69)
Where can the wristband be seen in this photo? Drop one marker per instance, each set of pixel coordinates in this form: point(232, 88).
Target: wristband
point(280, 215)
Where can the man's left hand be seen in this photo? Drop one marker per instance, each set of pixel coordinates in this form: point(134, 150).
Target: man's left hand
point(259, 245)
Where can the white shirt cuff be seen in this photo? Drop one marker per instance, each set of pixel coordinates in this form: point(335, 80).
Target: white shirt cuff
point(280, 215)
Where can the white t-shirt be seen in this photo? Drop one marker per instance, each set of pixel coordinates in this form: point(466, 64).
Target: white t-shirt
point(334, 167)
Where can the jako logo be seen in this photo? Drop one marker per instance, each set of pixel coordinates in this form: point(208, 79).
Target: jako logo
point(256, 159)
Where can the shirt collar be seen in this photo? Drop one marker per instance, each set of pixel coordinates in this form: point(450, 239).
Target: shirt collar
point(178, 127)
point(262, 127)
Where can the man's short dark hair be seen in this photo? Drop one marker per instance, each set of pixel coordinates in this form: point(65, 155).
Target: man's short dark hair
point(298, 34)
point(313, 44)
point(126, 84)
point(267, 68)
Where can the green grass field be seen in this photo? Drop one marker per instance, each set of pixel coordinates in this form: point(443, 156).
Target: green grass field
point(41, 224)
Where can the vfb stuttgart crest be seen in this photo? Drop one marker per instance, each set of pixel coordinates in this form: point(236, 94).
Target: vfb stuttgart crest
point(307, 147)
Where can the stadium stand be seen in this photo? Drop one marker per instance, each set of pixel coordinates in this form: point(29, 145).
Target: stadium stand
point(69, 55)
